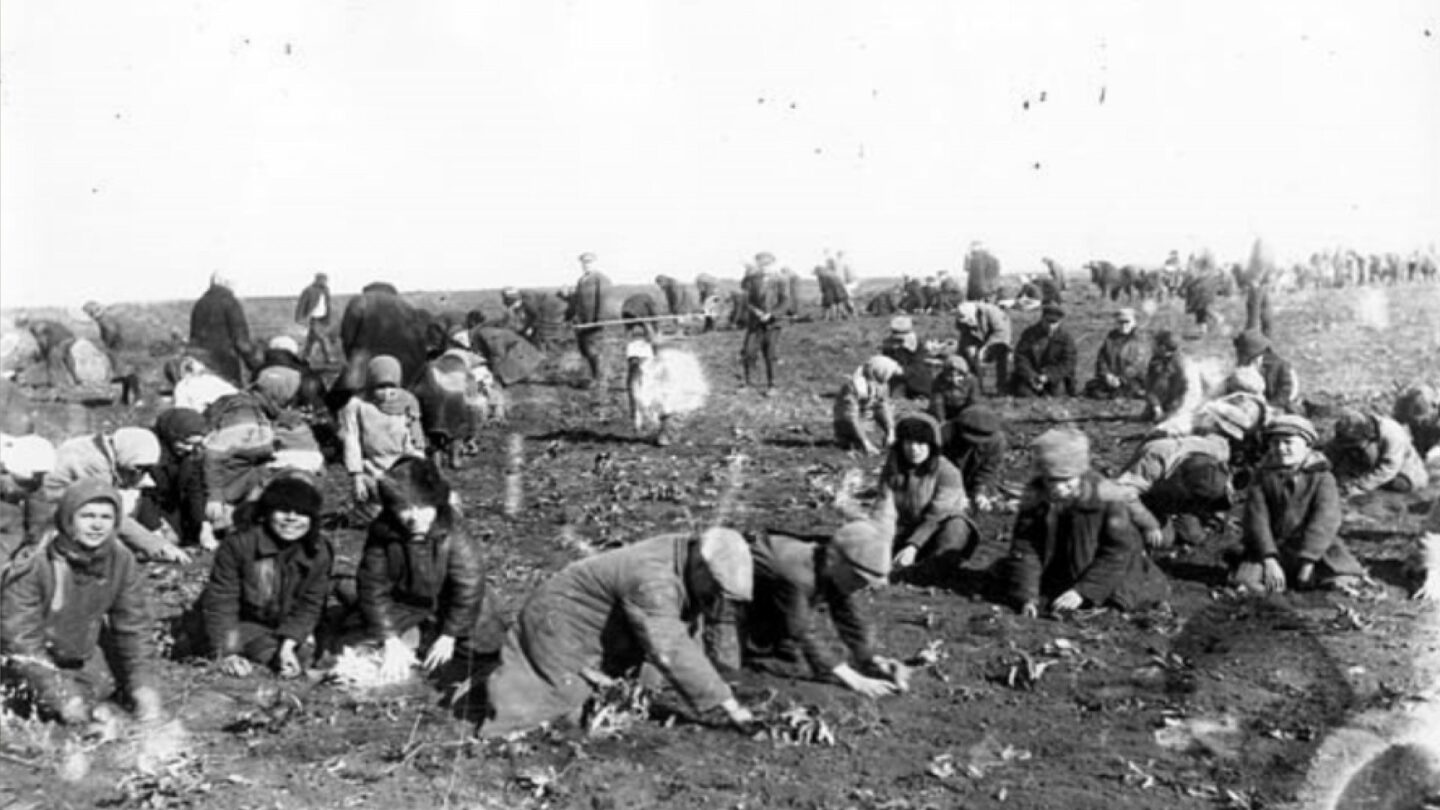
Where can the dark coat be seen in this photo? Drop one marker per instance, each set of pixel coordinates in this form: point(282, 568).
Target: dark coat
point(53, 610)
point(1124, 356)
point(1091, 545)
point(789, 585)
point(592, 298)
point(765, 300)
point(309, 298)
point(1166, 384)
point(439, 573)
point(258, 579)
point(1294, 514)
point(982, 274)
point(218, 325)
point(677, 295)
point(980, 462)
point(609, 612)
point(949, 397)
point(376, 322)
point(1280, 380)
point(1049, 353)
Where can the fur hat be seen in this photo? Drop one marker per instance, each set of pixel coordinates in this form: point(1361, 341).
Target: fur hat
point(1354, 427)
point(178, 424)
point(1204, 478)
point(284, 343)
point(727, 556)
point(1061, 453)
point(136, 447)
point(413, 482)
point(865, 546)
point(383, 370)
point(1249, 345)
point(291, 493)
point(918, 427)
point(26, 456)
point(1291, 425)
point(1418, 402)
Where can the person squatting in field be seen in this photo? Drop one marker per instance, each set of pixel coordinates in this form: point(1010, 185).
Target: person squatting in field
point(378, 427)
point(1075, 544)
point(1291, 525)
point(1045, 357)
point(923, 495)
point(421, 586)
point(75, 624)
point(269, 582)
point(865, 396)
point(1120, 364)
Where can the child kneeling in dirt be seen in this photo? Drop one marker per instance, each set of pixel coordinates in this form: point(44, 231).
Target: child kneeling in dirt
point(923, 494)
point(420, 582)
point(73, 613)
point(269, 583)
point(1075, 543)
point(866, 395)
point(1292, 517)
point(792, 575)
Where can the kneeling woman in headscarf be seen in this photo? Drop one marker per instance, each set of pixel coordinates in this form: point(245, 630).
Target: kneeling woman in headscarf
point(420, 582)
point(604, 616)
point(792, 576)
point(924, 494)
point(1075, 543)
point(73, 615)
point(269, 583)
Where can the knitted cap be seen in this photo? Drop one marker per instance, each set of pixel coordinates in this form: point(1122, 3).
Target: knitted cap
point(727, 556)
point(136, 447)
point(383, 370)
point(882, 368)
point(1292, 425)
point(1249, 345)
point(26, 456)
point(865, 546)
point(278, 383)
point(413, 482)
point(87, 490)
point(291, 493)
point(1061, 453)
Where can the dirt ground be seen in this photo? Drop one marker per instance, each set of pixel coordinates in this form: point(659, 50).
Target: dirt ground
point(1216, 700)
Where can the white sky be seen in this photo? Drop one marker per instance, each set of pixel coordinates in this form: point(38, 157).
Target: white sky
point(461, 144)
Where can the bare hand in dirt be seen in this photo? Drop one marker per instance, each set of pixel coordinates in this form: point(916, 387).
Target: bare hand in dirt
point(208, 541)
point(75, 711)
point(396, 663)
point(905, 557)
point(236, 666)
point(739, 715)
point(441, 651)
point(1154, 538)
point(1029, 610)
point(174, 554)
point(1069, 600)
point(1273, 577)
point(149, 708)
point(287, 663)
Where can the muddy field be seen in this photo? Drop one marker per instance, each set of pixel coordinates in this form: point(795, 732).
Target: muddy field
point(1215, 701)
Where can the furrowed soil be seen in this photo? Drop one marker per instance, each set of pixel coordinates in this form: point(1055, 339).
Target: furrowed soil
point(1215, 700)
